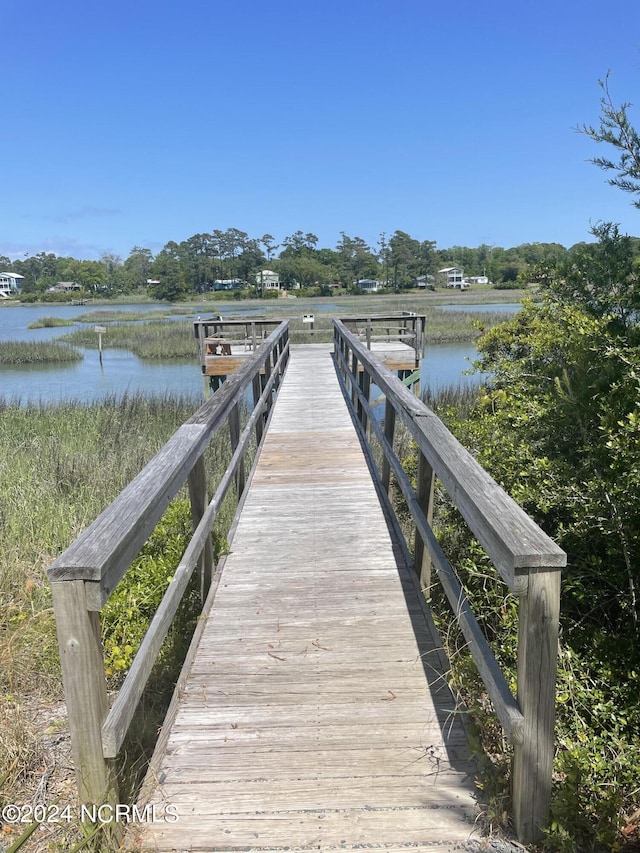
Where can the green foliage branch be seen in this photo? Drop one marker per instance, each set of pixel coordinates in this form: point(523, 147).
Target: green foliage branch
point(615, 129)
point(559, 428)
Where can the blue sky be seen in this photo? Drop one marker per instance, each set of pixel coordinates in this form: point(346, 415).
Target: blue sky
point(142, 121)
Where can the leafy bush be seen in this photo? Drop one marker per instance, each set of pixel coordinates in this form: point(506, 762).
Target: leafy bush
point(559, 428)
point(126, 616)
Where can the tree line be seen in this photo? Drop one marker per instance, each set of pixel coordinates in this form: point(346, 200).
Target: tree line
point(233, 259)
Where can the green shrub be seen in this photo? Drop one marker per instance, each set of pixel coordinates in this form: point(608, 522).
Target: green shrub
point(559, 428)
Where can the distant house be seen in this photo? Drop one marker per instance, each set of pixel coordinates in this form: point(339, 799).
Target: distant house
point(369, 285)
point(227, 284)
point(268, 280)
point(477, 279)
point(10, 284)
point(425, 282)
point(452, 277)
point(64, 287)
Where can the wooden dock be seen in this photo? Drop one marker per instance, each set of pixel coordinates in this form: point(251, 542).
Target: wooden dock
point(314, 714)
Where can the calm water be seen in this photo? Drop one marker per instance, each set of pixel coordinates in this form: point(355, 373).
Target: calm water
point(120, 372)
point(123, 372)
point(495, 308)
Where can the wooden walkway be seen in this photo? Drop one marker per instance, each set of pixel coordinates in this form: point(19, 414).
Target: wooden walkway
point(314, 715)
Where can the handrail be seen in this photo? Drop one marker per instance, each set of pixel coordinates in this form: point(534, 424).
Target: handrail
point(408, 327)
point(526, 558)
point(85, 575)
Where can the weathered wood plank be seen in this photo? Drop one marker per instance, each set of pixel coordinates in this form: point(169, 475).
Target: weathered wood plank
point(364, 792)
point(309, 690)
point(314, 828)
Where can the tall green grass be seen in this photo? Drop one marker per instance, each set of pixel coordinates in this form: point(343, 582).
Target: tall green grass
point(65, 464)
point(442, 326)
point(150, 340)
point(105, 315)
point(50, 323)
point(42, 352)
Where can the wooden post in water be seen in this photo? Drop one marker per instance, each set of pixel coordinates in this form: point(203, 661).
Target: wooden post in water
point(100, 330)
point(539, 616)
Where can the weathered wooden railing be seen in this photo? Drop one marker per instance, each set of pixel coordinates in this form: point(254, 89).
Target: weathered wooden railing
point(85, 575)
point(247, 333)
point(526, 558)
point(404, 326)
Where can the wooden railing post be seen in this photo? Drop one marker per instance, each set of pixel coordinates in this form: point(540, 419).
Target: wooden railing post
point(85, 690)
point(234, 432)
point(278, 376)
point(389, 431)
point(364, 382)
point(354, 378)
point(257, 391)
point(425, 489)
point(199, 499)
point(539, 615)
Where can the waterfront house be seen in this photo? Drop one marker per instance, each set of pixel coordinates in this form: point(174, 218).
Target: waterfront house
point(268, 280)
point(369, 285)
point(425, 282)
point(10, 284)
point(452, 277)
point(64, 287)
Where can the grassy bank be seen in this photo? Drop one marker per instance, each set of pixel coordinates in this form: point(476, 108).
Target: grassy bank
point(104, 315)
point(49, 323)
point(151, 340)
point(67, 463)
point(42, 352)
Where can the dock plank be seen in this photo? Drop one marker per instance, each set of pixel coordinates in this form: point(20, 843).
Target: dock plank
point(314, 715)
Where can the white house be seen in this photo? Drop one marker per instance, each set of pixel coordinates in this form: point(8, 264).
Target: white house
point(10, 284)
point(268, 280)
point(453, 276)
point(369, 285)
point(424, 282)
point(64, 287)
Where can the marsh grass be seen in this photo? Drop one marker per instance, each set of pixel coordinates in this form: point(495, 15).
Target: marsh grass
point(67, 463)
point(442, 326)
point(157, 340)
point(41, 352)
point(105, 315)
point(50, 323)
